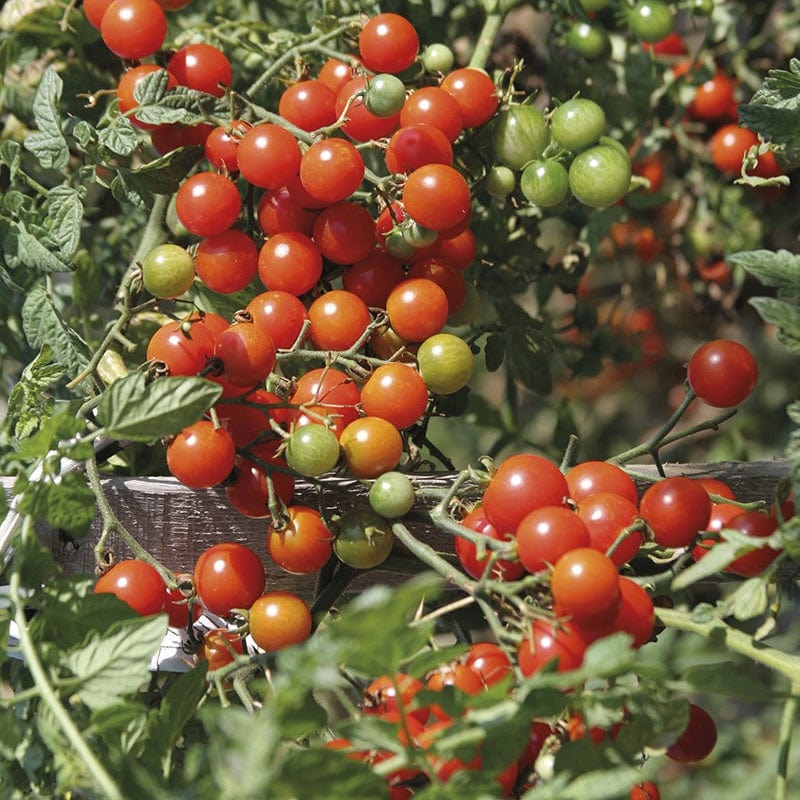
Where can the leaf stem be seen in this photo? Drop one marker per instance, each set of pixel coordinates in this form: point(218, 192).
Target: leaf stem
point(48, 696)
point(785, 730)
point(735, 640)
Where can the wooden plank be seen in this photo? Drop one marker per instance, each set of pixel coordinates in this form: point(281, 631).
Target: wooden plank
point(176, 523)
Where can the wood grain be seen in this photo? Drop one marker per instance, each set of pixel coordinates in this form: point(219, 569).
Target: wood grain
point(176, 523)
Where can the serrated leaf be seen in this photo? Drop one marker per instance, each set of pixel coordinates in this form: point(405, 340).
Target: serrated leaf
point(43, 324)
point(65, 503)
point(779, 268)
point(161, 176)
point(116, 662)
point(785, 316)
point(22, 248)
point(48, 144)
point(11, 156)
point(29, 402)
point(119, 137)
point(131, 408)
point(65, 211)
point(750, 600)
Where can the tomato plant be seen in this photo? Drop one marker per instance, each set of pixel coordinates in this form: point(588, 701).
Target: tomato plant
point(390, 365)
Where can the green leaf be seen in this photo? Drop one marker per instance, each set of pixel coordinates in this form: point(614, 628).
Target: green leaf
point(739, 682)
point(749, 600)
point(165, 724)
point(65, 211)
point(528, 350)
point(715, 560)
point(119, 136)
point(785, 316)
point(160, 176)
point(131, 408)
point(43, 324)
point(48, 143)
point(773, 268)
point(29, 402)
point(64, 502)
point(116, 662)
point(11, 156)
point(494, 352)
point(380, 615)
point(28, 248)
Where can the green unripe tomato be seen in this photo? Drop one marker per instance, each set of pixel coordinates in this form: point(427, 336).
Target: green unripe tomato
point(437, 57)
point(577, 124)
point(312, 450)
point(589, 40)
point(545, 183)
point(600, 176)
point(397, 245)
point(392, 495)
point(500, 181)
point(609, 141)
point(702, 8)
point(363, 538)
point(651, 20)
point(167, 271)
point(445, 363)
point(417, 236)
point(520, 134)
point(384, 95)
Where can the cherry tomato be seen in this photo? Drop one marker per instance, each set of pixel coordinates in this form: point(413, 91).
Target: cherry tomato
point(388, 43)
point(436, 196)
point(645, 791)
point(432, 105)
point(335, 73)
point(722, 373)
point(475, 92)
point(397, 393)
point(202, 67)
point(136, 583)
point(714, 99)
point(222, 145)
point(729, 145)
point(312, 449)
point(361, 124)
point(699, 738)
point(417, 309)
point(308, 104)
point(220, 647)
point(600, 175)
point(412, 146)
point(392, 495)
point(167, 271)
point(606, 516)
point(281, 314)
point(445, 363)
point(547, 642)
point(589, 40)
point(183, 346)
point(290, 262)
point(373, 278)
point(545, 534)
point(364, 539)
point(228, 575)
point(201, 455)
point(345, 232)
point(133, 29)
point(585, 585)
point(384, 95)
point(651, 20)
point(577, 124)
point(675, 509)
point(544, 183)
point(328, 391)
point(279, 212)
point(338, 320)
point(227, 262)
point(589, 477)
point(503, 569)
point(207, 203)
point(758, 525)
point(304, 545)
point(268, 156)
point(371, 446)
point(279, 619)
point(522, 483)
point(247, 353)
point(331, 170)
point(489, 662)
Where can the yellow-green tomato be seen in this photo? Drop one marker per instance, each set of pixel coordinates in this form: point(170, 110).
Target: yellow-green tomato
point(167, 271)
point(445, 363)
point(363, 539)
point(392, 495)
